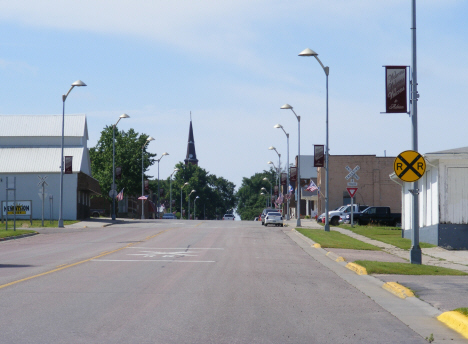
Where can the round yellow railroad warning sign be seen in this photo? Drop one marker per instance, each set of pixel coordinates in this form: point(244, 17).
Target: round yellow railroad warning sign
point(409, 166)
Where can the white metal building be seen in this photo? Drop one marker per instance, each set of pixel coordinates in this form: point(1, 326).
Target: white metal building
point(443, 200)
point(30, 147)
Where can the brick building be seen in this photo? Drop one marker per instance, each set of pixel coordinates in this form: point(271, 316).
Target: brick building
point(375, 188)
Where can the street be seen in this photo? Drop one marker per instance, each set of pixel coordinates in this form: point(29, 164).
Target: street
point(181, 282)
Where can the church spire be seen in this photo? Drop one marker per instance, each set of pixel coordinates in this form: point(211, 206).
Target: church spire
point(191, 153)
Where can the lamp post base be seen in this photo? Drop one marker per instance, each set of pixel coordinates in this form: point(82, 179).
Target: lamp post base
point(60, 223)
point(416, 255)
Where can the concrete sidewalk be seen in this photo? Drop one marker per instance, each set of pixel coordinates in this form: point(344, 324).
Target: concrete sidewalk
point(443, 293)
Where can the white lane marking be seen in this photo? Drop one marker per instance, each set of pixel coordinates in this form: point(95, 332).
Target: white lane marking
point(175, 248)
point(151, 254)
point(154, 260)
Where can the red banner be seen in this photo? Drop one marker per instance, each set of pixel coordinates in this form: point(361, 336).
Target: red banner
point(118, 173)
point(319, 155)
point(68, 165)
point(284, 178)
point(395, 89)
point(293, 174)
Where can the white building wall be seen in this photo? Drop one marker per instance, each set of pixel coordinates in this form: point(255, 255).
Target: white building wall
point(453, 190)
point(28, 190)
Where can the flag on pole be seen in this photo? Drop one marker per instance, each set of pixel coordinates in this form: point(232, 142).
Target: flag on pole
point(291, 190)
point(312, 187)
point(119, 196)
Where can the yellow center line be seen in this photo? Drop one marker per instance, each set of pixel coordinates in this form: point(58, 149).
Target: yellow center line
point(66, 266)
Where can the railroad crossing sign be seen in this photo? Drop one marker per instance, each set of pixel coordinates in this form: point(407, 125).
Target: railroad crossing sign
point(352, 175)
point(409, 166)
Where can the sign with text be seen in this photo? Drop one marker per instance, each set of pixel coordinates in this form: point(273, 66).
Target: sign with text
point(22, 208)
point(409, 166)
point(395, 89)
point(319, 155)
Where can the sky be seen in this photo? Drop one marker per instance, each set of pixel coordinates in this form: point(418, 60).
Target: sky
point(233, 64)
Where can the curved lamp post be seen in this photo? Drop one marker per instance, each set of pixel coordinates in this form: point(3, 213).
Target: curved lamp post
point(271, 163)
point(170, 184)
point(194, 205)
point(266, 179)
point(181, 198)
point(279, 126)
point(188, 214)
point(149, 139)
point(113, 164)
point(266, 201)
point(298, 203)
point(279, 169)
point(158, 160)
point(77, 83)
point(310, 52)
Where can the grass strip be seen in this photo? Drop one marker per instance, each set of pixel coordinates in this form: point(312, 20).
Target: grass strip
point(35, 224)
point(388, 235)
point(11, 233)
point(462, 310)
point(390, 268)
point(334, 239)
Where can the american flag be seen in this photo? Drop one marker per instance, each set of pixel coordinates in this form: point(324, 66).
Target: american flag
point(280, 199)
point(119, 196)
point(312, 187)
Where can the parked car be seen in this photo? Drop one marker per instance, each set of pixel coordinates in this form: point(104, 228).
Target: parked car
point(264, 212)
point(379, 215)
point(274, 218)
point(228, 217)
point(336, 216)
point(321, 218)
point(169, 216)
point(97, 212)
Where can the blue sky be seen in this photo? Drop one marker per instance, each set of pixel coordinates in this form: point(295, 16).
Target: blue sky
point(233, 64)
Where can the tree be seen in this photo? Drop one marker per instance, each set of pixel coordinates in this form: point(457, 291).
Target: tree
point(250, 201)
point(216, 194)
point(128, 156)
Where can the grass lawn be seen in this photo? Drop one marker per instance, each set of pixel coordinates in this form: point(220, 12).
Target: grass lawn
point(9, 233)
point(334, 239)
point(463, 310)
point(406, 269)
point(388, 235)
point(23, 224)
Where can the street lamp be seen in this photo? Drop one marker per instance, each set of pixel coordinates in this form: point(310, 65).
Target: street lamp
point(194, 206)
point(266, 203)
point(114, 190)
point(188, 214)
point(77, 83)
point(310, 52)
point(142, 176)
point(266, 179)
point(279, 126)
point(279, 168)
point(298, 203)
point(163, 154)
point(181, 198)
point(170, 184)
point(271, 163)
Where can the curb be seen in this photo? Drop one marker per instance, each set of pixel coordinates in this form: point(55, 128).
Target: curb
point(397, 289)
point(456, 321)
point(335, 257)
point(18, 236)
point(360, 270)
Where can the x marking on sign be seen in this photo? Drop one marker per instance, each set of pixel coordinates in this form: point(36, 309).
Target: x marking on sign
point(409, 166)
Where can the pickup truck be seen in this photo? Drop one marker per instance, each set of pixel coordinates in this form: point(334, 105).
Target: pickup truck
point(334, 216)
point(379, 215)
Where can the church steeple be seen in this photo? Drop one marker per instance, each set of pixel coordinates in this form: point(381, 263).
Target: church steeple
point(191, 153)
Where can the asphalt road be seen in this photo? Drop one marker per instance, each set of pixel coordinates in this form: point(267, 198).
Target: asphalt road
point(181, 282)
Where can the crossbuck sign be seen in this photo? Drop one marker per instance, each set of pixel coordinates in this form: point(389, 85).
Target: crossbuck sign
point(352, 175)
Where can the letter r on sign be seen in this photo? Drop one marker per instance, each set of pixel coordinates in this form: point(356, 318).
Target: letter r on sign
point(399, 166)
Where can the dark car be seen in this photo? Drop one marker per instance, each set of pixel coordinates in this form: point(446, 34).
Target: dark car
point(169, 216)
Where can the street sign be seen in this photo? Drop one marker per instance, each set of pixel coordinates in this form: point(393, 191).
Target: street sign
point(352, 191)
point(351, 183)
point(352, 172)
point(409, 166)
point(112, 193)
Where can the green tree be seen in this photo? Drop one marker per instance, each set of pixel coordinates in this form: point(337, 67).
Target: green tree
point(250, 201)
point(216, 194)
point(128, 156)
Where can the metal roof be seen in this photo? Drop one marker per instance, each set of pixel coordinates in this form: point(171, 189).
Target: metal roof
point(38, 160)
point(43, 125)
point(461, 150)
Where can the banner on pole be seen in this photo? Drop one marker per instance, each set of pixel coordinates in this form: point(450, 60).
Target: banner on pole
point(68, 165)
point(319, 155)
point(395, 89)
point(284, 177)
point(293, 174)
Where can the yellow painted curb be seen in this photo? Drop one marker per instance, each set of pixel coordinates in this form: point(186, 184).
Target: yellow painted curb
point(456, 321)
point(317, 245)
point(340, 259)
point(397, 289)
point(360, 270)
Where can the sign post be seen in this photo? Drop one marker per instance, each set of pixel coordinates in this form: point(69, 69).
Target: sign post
point(352, 189)
point(352, 192)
